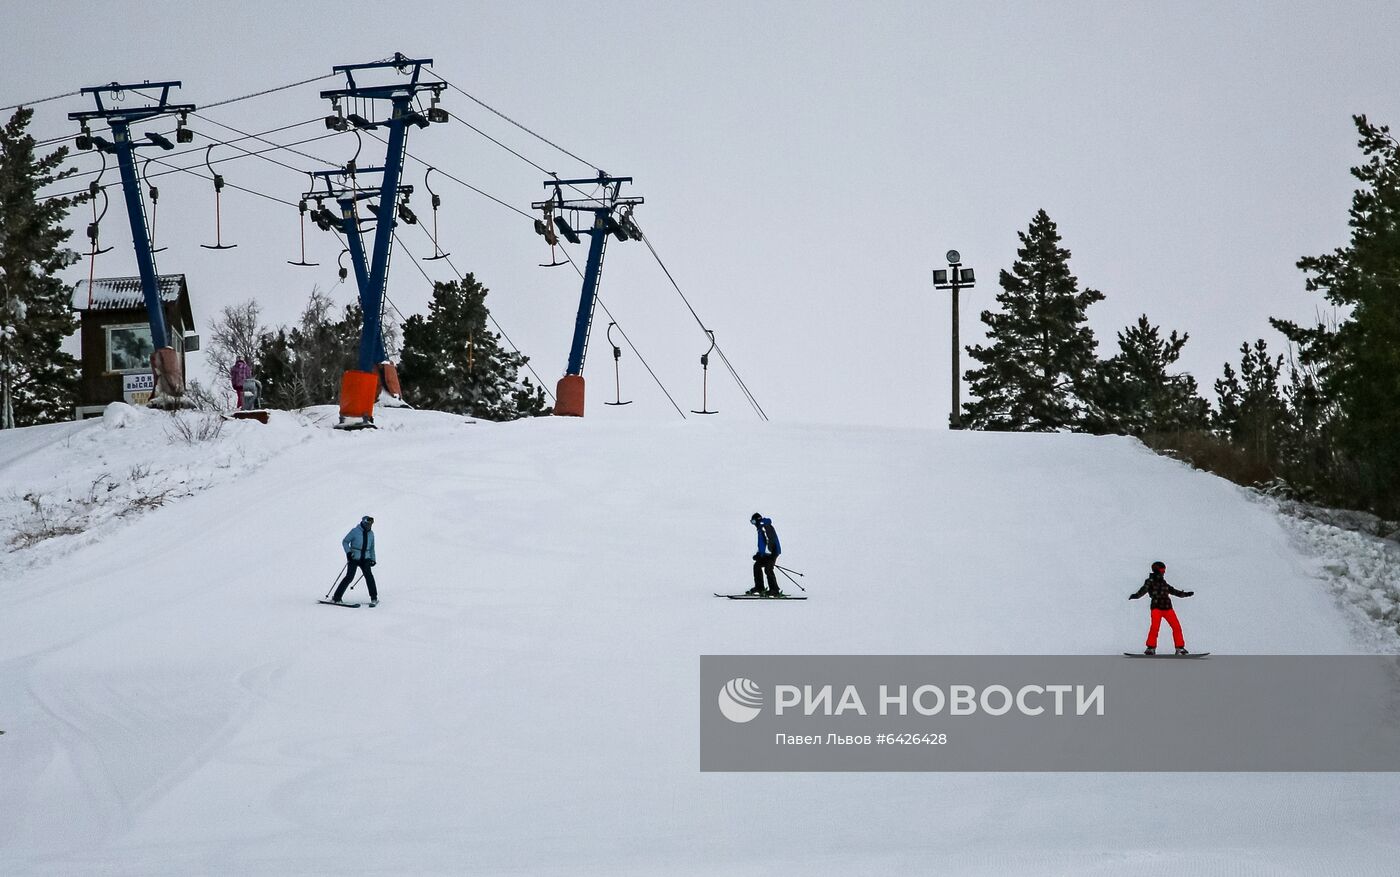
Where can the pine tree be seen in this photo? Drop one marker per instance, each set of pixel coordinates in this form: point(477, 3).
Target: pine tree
point(452, 362)
point(38, 381)
point(1037, 370)
point(1357, 362)
point(1135, 392)
point(302, 366)
point(1252, 413)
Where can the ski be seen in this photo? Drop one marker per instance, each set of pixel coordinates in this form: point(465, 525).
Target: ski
point(1173, 655)
point(758, 597)
point(334, 603)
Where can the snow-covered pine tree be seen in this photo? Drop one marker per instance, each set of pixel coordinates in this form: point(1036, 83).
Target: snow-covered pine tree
point(38, 381)
point(452, 362)
point(1041, 359)
point(1135, 392)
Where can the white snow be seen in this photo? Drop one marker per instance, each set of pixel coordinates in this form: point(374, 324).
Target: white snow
point(524, 699)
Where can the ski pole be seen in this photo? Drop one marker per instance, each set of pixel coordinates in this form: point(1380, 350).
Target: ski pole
point(791, 579)
point(785, 569)
point(335, 581)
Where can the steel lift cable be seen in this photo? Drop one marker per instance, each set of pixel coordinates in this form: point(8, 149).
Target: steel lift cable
point(230, 142)
point(172, 168)
point(623, 332)
point(742, 386)
point(489, 315)
point(30, 103)
point(497, 112)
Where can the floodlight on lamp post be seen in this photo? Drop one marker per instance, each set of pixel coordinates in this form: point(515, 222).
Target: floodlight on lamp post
point(956, 278)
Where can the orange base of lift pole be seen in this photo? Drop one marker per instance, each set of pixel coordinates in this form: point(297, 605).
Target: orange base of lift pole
point(358, 390)
point(568, 396)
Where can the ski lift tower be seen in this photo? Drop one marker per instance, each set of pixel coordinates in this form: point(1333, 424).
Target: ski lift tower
point(569, 392)
point(359, 388)
point(165, 360)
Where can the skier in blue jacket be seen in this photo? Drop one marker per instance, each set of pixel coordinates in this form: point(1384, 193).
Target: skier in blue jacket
point(358, 545)
point(766, 558)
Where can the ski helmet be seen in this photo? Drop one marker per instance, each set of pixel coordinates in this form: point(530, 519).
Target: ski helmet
point(367, 521)
point(1158, 566)
point(755, 518)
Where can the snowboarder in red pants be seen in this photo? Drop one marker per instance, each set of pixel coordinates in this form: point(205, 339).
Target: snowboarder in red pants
point(1162, 593)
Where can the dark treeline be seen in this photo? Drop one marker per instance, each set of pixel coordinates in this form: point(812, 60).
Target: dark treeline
point(448, 360)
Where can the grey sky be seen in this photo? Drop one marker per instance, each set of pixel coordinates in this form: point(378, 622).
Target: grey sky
point(804, 165)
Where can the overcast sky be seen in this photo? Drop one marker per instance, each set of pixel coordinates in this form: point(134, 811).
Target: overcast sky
point(804, 166)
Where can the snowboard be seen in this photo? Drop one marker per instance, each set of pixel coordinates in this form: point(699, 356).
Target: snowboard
point(1168, 655)
point(757, 597)
point(333, 603)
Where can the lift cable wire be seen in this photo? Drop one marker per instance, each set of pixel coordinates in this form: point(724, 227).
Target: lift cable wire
point(209, 106)
point(275, 146)
point(489, 315)
point(30, 103)
point(202, 176)
point(261, 135)
point(231, 142)
point(742, 386)
point(459, 181)
point(233, 100)
point(245, 154)
point(263, 139)
point(458, 118)
point(492, 109)
point(245, 135)
point(645, 364)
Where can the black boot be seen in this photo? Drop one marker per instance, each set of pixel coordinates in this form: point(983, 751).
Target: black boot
point(1150, 650)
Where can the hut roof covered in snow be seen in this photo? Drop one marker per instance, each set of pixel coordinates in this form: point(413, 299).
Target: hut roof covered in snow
point(124, 293)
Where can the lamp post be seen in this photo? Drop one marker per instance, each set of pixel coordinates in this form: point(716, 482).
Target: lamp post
point(956, 278)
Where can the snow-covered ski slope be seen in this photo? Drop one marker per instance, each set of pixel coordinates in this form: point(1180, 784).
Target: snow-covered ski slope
point(524, 700)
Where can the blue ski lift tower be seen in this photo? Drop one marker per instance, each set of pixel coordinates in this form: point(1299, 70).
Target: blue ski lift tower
point(611, 215)
point(112, 109)
point(359, 387)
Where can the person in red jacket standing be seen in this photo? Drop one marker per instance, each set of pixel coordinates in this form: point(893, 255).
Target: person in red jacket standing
point(1162, 593)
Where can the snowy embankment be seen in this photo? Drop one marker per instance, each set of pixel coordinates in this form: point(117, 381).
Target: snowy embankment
point(523, 701)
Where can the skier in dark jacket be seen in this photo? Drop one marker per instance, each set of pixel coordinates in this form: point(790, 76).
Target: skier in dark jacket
point(1156, 586)
point(766, 558)
point(359, 557)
